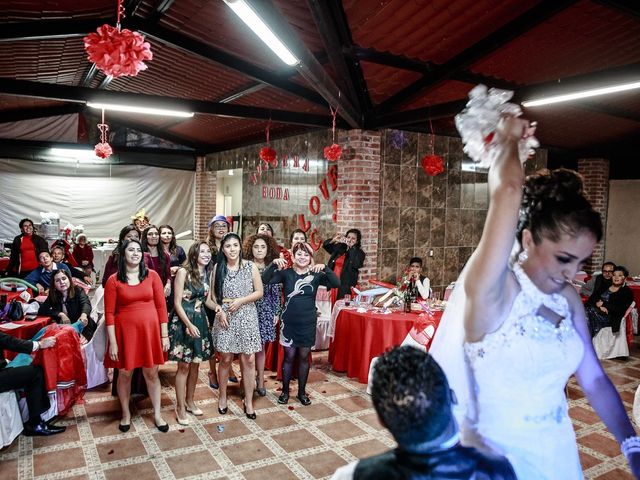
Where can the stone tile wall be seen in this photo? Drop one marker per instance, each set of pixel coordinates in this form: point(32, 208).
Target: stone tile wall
point(439, 219)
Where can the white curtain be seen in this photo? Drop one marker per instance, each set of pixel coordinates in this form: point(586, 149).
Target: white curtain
point(63, 128)
point(102, 198)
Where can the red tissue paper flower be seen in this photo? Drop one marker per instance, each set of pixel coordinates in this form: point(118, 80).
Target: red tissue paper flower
point(103, 150)
point(268, 155)
point(117, 52)
point(333, 152)
point(432, 165)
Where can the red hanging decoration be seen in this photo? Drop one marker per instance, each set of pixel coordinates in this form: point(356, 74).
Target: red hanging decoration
point(334, 151)
point(268, 154)
point(103, 149)
point(117, 52)
point(432, 164)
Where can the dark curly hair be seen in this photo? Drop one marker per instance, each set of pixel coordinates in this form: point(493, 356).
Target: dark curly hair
point(163, 258)
point(273, 251)
point(553, 203)
point(621, 268)
point(221, 264)
point(411, 395)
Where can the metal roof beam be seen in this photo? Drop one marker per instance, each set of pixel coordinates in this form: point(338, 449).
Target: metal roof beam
point(83, 94)
point(309, 67)
point(628, 7)
point(333, 28)
point(33, 113)
point(500, 37)
point(50, 29)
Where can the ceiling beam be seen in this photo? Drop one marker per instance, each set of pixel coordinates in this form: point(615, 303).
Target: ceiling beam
point(50, 29)
point(83, 94)
point(216, 55)
point(333, 28)
point(629, 7)
point(419, 115)
point(33, 113)
point(309, 67)
point(158, 12)
point(497, 39)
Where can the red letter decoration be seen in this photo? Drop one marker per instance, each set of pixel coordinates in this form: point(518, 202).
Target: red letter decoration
point(314, 205)
point(302, 224)
point(334, 217)
point(314, 241)
point(332, 175)
point(323, 189)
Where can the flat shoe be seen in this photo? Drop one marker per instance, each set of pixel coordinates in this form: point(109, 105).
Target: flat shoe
point(283, 399)
point(124, 428)
point(163, 428)
point(304, 400)
point(182, 421)
point(196, 411)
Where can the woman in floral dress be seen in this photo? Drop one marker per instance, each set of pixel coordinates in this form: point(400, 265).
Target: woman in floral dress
point(263, 250)
point(189, 330)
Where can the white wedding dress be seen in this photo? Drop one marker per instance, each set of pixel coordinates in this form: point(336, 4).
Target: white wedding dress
point(518, 375)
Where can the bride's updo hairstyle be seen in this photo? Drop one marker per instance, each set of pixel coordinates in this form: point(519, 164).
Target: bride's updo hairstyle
point(553, 204)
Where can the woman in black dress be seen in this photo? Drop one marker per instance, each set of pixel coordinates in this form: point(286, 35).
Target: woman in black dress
point(347, 257)
point(298, 318)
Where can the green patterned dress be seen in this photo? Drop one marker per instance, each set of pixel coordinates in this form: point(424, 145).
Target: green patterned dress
point(185, 348)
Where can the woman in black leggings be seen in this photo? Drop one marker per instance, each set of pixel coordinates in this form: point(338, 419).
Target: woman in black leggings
point(299, 319)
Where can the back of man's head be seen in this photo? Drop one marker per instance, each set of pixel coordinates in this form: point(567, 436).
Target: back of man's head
point(411, 396)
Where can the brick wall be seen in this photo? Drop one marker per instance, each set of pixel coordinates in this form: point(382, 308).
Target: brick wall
point(359, 192)
point(205, 198)
point(595, 172)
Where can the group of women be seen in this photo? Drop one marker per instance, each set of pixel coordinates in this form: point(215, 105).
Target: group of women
point(222, 299)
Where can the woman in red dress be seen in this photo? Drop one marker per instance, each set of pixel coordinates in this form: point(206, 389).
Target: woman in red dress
point(136, 318)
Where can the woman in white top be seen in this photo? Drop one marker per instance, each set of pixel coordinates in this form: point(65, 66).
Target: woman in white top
point(525, 332)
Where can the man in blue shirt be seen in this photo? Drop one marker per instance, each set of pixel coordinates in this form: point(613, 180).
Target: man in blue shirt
point(41, 276)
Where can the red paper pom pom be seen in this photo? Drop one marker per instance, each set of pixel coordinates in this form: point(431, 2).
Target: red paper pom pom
point(268, 155)
point(432, 165)
point(103, 150)
point(333, 152)
point(117, 53)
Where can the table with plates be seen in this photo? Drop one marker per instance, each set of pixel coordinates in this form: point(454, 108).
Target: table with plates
point(361, 334)
point(635, 288)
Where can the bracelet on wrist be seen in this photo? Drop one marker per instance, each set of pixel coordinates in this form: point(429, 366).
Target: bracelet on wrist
point(163, 336)
point(630, 445)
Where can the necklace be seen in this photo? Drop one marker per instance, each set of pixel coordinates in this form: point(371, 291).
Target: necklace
point(231, 274)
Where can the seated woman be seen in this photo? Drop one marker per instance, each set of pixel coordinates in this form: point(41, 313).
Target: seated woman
point(67, 304)
point(83, 254)
point(607, 308)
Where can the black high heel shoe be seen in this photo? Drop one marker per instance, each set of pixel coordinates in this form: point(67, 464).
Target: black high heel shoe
point(250, 416)
point(222, 411)
point(163, 428)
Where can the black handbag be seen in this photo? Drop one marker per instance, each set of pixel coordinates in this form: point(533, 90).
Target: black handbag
point(12, 311)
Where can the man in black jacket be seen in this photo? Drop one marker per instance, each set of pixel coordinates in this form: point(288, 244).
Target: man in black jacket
point(413, 400)
point(31, 379)
point(599, 282)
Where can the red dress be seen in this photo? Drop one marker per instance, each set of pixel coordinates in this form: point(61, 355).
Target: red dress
point(136, 311)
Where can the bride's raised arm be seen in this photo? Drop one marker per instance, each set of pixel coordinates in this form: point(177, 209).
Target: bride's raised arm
point(486, 284)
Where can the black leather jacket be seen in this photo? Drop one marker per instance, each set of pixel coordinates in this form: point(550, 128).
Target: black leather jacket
point(458, 462)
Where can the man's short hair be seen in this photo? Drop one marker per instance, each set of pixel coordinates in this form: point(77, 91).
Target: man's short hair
point(411, 395)
point(608, 263)
point(415, 260)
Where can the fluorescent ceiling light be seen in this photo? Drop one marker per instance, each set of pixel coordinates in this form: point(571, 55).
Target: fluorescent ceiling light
point(231, 173)
point(583, 94)
point(74, 155)
point(264, 33)
point(146, 110)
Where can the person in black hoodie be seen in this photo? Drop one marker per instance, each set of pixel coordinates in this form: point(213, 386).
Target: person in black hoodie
point(68, 304)
point(413, 400)
point(608, 308)
point(347, 257)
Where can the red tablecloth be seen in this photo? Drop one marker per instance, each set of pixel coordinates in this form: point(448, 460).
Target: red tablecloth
point(635, 288)
point(361, 336)
point(4, 264)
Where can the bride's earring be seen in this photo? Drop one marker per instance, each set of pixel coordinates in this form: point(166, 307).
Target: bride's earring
point(522, 257)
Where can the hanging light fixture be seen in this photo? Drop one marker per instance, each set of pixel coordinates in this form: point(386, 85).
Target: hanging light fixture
point(593, 92)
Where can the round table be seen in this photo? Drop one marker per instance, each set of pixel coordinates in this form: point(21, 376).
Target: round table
point(361, 336)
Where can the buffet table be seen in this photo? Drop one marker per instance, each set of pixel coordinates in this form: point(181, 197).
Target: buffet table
point(360, 336)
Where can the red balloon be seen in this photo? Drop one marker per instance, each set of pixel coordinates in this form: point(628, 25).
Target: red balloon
point(382, 284)
point(333, 152)
point(432, 165)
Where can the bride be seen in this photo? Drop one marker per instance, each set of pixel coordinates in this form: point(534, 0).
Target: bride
point(521, 326)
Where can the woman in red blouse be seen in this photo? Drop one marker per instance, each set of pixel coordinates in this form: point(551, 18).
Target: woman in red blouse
point(136, 318)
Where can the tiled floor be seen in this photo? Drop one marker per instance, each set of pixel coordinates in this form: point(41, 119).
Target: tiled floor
point(285, 442)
